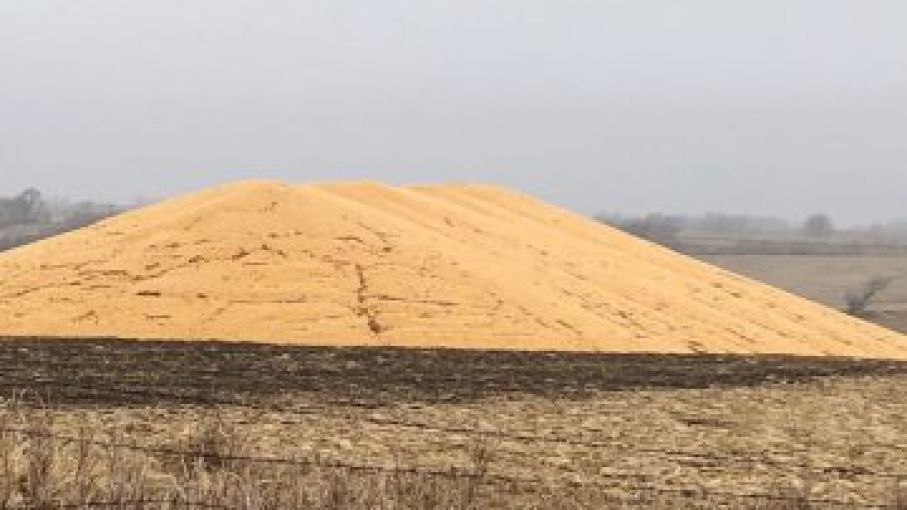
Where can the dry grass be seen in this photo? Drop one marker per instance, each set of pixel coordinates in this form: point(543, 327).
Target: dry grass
point(156, 458)
point(206, 467)
point(136, 425)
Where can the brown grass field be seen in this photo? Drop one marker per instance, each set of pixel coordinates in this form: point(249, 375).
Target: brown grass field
point(117, 424)
point(823, 278)
point(827, 278)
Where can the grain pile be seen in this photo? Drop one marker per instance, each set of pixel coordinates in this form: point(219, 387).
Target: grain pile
point(368, 264)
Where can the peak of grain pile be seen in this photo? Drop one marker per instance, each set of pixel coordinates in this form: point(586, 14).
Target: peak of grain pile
point(368, 264)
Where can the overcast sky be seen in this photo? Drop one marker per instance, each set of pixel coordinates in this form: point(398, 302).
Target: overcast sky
point(771, 107)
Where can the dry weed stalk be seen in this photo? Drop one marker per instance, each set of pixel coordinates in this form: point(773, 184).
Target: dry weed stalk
point(98, 466)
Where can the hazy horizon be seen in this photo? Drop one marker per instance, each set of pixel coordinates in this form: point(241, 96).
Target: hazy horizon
point(766, 108)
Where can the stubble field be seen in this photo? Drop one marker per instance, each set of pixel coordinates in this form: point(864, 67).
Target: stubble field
point(178, 425)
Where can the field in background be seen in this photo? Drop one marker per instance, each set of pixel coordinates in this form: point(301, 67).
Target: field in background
point(827, 279)
point(823, 270)
point(246, 426)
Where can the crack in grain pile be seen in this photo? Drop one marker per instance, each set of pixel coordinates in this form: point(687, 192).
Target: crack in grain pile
point(466, 266)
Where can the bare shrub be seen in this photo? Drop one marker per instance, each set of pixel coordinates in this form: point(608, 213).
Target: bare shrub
point(857, 300)
point(480, 457)
point(818, 225)
point(40, 457)
point(7, 453)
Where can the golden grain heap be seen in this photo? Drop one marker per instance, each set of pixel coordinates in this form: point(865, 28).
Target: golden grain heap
point(467, 266)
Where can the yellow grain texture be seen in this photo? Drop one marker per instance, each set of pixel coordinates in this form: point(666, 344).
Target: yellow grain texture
point(359, 263)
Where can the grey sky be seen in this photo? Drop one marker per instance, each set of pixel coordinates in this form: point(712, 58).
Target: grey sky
point(771, 107)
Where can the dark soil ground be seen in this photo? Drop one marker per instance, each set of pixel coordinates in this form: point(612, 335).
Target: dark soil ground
point(116, 372)
point(561, 430)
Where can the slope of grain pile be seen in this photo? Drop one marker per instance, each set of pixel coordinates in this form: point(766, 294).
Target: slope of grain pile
point(363, 263)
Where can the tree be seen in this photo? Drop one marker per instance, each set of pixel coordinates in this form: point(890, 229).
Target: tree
point(656, 227)
point(818, 225)
point(27, 207)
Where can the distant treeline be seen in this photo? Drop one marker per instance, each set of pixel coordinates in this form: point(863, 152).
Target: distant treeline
point(661, 226)
point(727, 233)
point(29, 217)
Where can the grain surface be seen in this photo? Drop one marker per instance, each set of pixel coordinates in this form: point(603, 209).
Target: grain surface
point(464, 266)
